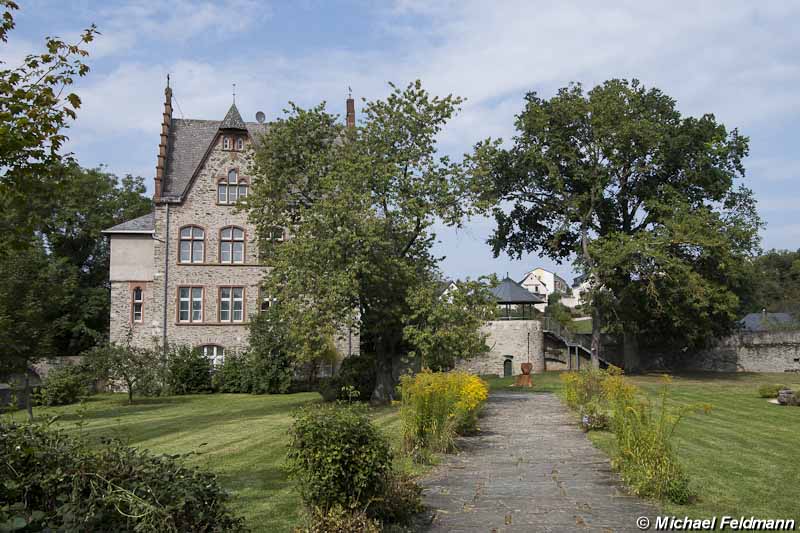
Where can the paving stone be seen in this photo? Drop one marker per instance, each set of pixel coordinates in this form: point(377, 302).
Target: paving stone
point(530, 469)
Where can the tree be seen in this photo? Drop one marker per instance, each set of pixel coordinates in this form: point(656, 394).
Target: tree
point(34, 111)
point(136, 367)
point(271, 359)
point(444, 328)
point(558, 310)
point(775, 283)
point(358, 204)
point(70, 219)
point(645, 198)
point(33, 292)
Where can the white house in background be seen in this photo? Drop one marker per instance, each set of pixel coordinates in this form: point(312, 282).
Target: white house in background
point(544, 283)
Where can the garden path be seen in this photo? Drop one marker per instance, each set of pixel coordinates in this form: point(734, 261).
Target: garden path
point(529, 469)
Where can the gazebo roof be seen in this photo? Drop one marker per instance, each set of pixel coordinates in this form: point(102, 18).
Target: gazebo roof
point(511, 292)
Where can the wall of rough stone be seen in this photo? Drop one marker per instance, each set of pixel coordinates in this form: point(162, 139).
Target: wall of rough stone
point(518, 339)
point(761, 351)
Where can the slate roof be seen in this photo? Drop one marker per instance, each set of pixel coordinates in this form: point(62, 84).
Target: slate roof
point(187, 144)
point(143, 224)
point(511, 292)
point(763, 321)
point(233, 120)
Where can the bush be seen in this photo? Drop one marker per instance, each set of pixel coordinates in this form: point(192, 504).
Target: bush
point(233, 375)
point(643, 454)
point(770, 391)
point(64, 386)
point(401, 501)
point(337, 457)
point(271, 366)
point(340, 520)
point(188, 371)
point(357, 372)
point(436, 406)
point(56, 482)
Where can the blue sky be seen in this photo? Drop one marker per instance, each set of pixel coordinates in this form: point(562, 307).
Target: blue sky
point(736, 59)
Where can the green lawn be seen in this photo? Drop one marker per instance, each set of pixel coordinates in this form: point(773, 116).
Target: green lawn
point(240, 437)
point(743, 456)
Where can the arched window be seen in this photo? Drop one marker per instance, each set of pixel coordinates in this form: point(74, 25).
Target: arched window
point(240, 144)
point(232, 188)
point(231, 248)
point(215, 353)
point(192, 245)
point(137, 305)
point(275, 234)
point(226, 143)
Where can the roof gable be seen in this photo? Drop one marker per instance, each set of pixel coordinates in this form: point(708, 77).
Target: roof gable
point(189, 144)
point(233, 120)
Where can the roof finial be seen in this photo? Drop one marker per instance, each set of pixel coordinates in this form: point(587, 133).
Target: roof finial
point(234, 94)
point(167, 80)
point(349, 92)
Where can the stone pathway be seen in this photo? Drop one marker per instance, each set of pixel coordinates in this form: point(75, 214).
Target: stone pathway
point(530, 469)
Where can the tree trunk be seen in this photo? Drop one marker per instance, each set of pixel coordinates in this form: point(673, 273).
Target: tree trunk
point(384, 376)
point(28, 399)
point(130, 393)
point(595, 338)
point(630, 349)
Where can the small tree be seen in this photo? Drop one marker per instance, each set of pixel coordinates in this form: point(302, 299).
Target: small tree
point(138, 368)
point(270, 361)
point(444, 328)
point(188, 371)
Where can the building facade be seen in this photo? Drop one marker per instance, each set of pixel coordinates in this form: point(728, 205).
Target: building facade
point(189, 273)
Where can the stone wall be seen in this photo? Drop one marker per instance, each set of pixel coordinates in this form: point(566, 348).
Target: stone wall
point(514, 339)
point(761, 351)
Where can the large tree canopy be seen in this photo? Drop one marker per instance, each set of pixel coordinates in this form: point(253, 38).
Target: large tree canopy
point(645, 198)
point(358, 205)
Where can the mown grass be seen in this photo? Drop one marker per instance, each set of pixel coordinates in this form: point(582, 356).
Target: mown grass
point(241, 437)
point(743, 457)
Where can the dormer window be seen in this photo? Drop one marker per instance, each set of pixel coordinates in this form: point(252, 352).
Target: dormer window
point(240, 144)
point(232, 188)
point(226, 143)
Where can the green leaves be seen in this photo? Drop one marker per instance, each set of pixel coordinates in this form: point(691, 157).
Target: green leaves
point(645, 198)
point(358, 204)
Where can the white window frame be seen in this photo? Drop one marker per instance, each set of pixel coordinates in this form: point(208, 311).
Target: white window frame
point(195, 243)
point(240, 143)
point(232, 188)
point(194, 313)
point(137, 302)
point(226, 143)
point(215, 353)
point(228, 307)
point(228, 245)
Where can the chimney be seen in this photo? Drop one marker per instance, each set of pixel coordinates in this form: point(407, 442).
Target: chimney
point(351, 112)
point(162, 145)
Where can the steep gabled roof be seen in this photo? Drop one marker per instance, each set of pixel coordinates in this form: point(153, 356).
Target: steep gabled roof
point(188, 144)
point(765, 321)
point(510, 292)
point(143, 224)
point(233, 120)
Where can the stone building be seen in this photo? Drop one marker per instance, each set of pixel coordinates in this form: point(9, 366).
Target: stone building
point(188, 273)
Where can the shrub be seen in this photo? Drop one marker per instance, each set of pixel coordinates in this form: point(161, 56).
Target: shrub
point(401, 501)
point(56, 482)
point(770, 391)
point(437, 406)
point(233, 375)
point(340, 520)
point(356, 372)
point(63, 386)
point(271, 365)
point(188, 371)
point(337, 457)
point(581, 388)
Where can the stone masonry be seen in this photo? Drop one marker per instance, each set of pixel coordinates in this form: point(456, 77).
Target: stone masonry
point(514, 339)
